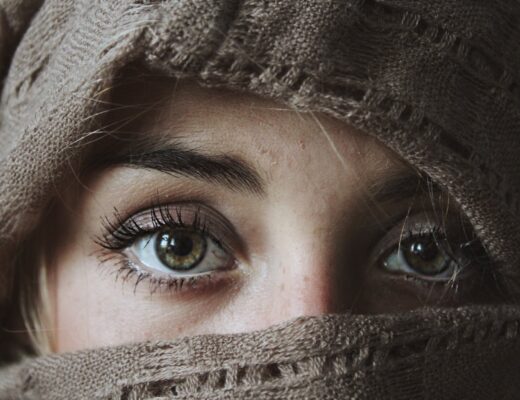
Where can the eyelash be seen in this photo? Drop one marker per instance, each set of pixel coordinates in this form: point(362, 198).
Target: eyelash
point(121, 233)
point(466, 253)
point(435, 232)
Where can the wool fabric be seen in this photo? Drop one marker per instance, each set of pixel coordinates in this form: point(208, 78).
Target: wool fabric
point(437, 81)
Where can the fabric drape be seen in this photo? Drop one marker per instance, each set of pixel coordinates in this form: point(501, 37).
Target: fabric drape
point(437, 81)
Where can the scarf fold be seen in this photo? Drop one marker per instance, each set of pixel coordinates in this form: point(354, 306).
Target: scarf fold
point(437, 81)
point(466, 353)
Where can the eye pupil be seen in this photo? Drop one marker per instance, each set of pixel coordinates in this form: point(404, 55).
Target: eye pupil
point(178, 243)
point(180, 249)
point(426, 250)
point(425, 257)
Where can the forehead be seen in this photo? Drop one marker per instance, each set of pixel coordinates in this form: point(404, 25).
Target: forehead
point(158, 110)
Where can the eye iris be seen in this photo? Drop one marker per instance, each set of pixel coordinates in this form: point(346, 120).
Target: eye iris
point(180, 249)
point(425, 257)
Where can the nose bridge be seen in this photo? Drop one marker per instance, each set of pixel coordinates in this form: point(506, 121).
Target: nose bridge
point(309, 284)
point(305, 277)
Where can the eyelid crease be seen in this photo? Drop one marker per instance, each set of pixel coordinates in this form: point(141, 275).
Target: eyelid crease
point(400, 186)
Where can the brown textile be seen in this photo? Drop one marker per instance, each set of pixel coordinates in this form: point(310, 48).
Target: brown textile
point(438, 81)
point(469, 353)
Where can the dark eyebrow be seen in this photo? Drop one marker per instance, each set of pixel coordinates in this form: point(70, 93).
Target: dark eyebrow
point(401, 185)
point(229, 171)
point(237, 174)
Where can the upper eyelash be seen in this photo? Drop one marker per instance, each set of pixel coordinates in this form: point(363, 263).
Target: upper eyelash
point(121, 233)
point(440, 236)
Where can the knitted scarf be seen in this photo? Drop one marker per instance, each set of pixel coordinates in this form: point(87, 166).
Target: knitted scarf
point(468, 353)
point(437, 81)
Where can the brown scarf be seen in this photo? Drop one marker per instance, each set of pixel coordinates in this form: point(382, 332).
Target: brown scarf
point(438, 81)
point(470, 353)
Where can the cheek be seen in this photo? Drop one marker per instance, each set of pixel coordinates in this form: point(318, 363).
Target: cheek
point(92, 308)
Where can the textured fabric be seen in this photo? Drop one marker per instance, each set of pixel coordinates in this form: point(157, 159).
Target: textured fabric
point(435, 80)
point(469, 353)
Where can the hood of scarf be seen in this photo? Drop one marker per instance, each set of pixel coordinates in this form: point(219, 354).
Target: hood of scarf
point(466, 353)
point(437, 81)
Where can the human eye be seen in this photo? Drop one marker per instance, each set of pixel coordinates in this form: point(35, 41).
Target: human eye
point(171, 246)
point(437, 253)
point(426, 255)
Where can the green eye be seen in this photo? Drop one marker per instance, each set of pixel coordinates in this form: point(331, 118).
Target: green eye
point(421, 256)
point(425, 256)
point(180, 249)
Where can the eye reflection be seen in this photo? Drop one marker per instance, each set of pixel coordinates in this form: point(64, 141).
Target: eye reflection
point(422, 256)
point(172, 242)
point(180, 251)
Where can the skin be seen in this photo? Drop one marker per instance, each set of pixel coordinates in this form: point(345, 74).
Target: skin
point(311, 240)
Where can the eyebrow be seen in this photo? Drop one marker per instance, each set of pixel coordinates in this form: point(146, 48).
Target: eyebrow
point(401, 185)
point(230, 171)
point(236, 174)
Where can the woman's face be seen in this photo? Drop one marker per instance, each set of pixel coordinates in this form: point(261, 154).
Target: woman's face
point(216, 212)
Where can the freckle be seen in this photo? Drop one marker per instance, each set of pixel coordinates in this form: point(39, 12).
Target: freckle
point(302, 144)
point(282, 287)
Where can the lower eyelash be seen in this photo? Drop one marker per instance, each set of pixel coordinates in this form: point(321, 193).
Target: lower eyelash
point(120, 234)
point(127, 271)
